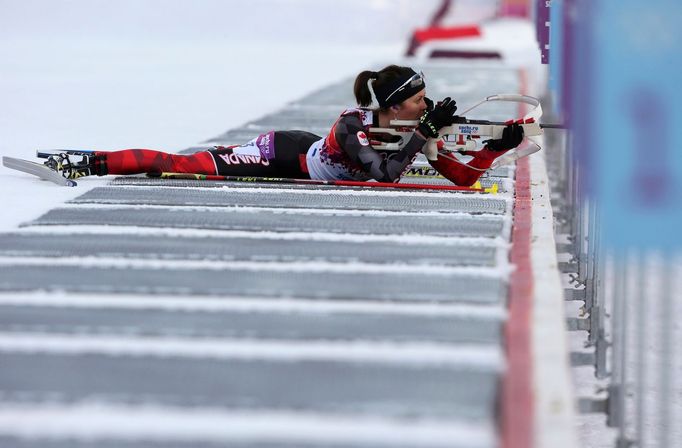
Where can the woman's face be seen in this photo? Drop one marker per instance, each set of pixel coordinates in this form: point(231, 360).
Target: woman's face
point(413, 107)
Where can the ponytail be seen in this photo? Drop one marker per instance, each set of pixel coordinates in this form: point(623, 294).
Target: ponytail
point(363, 95)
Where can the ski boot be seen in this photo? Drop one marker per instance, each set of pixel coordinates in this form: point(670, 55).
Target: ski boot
point(88, 165)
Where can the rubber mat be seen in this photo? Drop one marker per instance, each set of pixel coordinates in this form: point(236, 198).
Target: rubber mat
point(401, 286)
point(262, 324)
point(269, 220)
point(319, 386)
point(315, 200)
point(240, 248)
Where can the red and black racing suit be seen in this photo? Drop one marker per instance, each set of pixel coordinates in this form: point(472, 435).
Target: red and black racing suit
point(345, 153)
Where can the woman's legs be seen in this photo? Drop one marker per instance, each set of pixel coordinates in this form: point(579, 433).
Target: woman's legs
point(292, 147)
point(136, 161)
point(275, 154)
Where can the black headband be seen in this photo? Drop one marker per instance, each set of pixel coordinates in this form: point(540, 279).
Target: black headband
point(400, 89)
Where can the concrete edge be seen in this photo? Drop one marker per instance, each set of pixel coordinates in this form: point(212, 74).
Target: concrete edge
point(554, 403)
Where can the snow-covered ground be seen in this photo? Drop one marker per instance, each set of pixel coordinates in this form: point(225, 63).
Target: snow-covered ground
point(169, 74)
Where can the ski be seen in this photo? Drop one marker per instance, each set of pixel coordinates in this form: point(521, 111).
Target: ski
point(38, 170)
point(342, 183)
point(46, 153)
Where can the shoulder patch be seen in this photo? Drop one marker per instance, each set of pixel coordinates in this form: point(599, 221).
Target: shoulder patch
point(362, 137)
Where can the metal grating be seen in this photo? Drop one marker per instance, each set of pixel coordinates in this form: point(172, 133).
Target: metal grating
point(268, 220)
point(399, 286)
point(235, 248)
point(311, 199)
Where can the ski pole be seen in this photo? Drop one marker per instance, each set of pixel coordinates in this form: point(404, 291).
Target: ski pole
point(342, 183)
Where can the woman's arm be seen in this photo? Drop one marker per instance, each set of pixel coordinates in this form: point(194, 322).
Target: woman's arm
point(466, 174)
point(352, 138)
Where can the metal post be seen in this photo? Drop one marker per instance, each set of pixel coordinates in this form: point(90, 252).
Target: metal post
point(600, 343)
point(584, 226)
point(666, 364)
point(590, 272)
point(641, 337)
point(616, 392)
point(567, 189)
point(623, 314)
point(598, 310)
point(575, 206)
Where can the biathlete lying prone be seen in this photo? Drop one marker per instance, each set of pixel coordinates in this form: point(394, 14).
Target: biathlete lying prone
point(346, 153)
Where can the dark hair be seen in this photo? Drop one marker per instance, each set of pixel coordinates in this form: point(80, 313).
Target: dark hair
point(382, 78)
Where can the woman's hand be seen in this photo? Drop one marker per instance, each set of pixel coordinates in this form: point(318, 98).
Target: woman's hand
point(512, 136)
point(440, 116)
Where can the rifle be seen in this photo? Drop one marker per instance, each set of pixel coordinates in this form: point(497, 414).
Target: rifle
point(461, 136)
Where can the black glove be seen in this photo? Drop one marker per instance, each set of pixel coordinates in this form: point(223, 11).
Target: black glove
point(439, 117)
point(511, 138)
point(429, 103)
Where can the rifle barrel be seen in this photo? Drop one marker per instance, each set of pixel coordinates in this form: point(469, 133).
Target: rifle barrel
point(502, 123)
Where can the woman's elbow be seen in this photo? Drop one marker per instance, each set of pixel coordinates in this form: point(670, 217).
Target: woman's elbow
point(466, 180)
point(459, 174)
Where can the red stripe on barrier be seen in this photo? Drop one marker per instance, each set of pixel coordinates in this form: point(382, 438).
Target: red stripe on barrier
point(516, 404)
point(427, 34)
point(517, 394)
point(435, 32)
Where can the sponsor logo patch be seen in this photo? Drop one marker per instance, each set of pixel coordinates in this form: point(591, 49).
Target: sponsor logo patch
point(362, 137)
point(467, 129)
point(239, 159)
point(266, 145)
point(421, 172)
